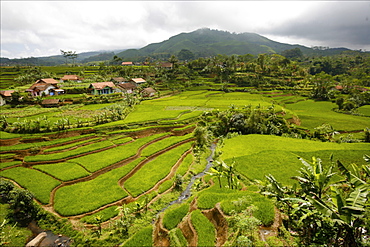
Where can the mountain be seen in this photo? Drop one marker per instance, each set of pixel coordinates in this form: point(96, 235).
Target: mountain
point(203, 42)
point(83, 57)
point(206, 42)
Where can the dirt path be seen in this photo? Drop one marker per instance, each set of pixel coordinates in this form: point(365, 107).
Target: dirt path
point(189, 232)
point(161, 235)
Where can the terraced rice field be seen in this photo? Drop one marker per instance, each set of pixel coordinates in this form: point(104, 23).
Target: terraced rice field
point(67, 175)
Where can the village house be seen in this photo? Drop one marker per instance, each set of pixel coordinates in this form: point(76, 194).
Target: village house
point(167, 65)
point(148, 92)
point(5, 96)
point(127, 87)
point(118, 79)
point(50, 103)
point(99, 88)
point(47, 86)
point(137, 81)
point(127, 63)
point(75, 78)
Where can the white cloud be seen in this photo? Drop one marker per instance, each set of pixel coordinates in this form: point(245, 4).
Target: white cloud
point(48, 26)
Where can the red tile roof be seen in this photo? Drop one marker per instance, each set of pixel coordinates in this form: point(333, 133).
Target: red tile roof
point(127, 63)
point(138, 80)
point(7, 93)
point(47, 80)
point(127, 85)
point(71, 78)
point(101, 85)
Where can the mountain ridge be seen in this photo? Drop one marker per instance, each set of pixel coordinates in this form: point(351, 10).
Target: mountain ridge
point(202, 42)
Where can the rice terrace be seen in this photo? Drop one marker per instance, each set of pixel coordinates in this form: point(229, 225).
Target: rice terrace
point(228, 150)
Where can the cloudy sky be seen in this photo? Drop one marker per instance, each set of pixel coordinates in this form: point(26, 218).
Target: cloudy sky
point(43, 28)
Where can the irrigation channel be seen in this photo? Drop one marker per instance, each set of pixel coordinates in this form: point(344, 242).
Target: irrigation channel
point(187, 192)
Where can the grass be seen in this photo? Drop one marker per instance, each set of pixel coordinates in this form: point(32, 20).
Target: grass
point(237, 201)
point(153, 171)
point(105, 215)
point(64, 171)
point(90, 195)
point(141, 238)
point(75, 144)
point(314, 114)
point(364, 110)
point(205, 229)
point(24, 146)
point(64, 155)
point(35, 181)
point(6, 135)
point(174, 215)
point(177, 238)
point(97, 161)
point(164, 143)
point(260, 155)
point(11, 163)
point(165, 186)
point(185, 164)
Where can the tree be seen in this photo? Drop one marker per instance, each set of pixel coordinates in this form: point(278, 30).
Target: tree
point(185, 55)
point(322, 207)
point(69, 55)
point(293, 53)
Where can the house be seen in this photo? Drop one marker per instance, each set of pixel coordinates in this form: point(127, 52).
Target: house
point(99, 88)
point(148, 92)
point(75, 78)
point(126, 87)
point(5, 95)
point(50, 103)
point(44, 86)
point(167, 65)
point(137, 81)
point(127, 63)
point(118, 79)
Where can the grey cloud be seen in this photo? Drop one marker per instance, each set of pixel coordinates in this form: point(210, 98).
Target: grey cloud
point(334, 23)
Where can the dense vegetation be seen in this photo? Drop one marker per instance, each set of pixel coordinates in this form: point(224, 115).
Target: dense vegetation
point(113, 163)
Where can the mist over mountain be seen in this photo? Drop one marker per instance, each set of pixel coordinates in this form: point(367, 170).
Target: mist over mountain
point(203, 42)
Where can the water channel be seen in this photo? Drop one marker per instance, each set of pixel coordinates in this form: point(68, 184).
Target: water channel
point(187, 192)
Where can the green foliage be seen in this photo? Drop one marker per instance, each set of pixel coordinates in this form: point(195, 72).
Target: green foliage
point(173, 215)
point(205, 229)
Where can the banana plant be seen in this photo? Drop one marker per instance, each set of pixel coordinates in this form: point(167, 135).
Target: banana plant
point(313, 178)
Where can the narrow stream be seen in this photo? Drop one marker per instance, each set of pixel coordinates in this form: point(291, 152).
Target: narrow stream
point(187, 192)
